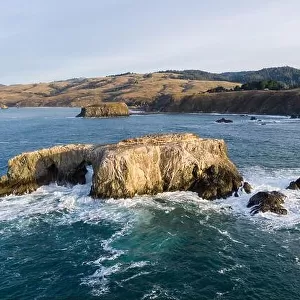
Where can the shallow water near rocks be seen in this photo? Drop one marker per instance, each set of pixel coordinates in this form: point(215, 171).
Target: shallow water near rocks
point(58, 243)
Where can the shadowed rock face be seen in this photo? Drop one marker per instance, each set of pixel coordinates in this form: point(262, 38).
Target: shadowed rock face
point(223, 120)
point(146, 165)
point(247, 187)
point(267, 201)
point(61, 164)
point(107, 109)
point(294, 185)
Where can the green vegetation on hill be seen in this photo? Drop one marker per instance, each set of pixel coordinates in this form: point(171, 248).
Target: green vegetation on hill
point(249, 86)
point(262, 85)
point(288, 76)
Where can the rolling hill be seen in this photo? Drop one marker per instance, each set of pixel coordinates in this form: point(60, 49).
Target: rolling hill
point(170, 91)
point(134, 89)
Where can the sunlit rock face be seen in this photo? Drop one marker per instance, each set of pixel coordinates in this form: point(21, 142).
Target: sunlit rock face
point(107, 109)
point(145, 165)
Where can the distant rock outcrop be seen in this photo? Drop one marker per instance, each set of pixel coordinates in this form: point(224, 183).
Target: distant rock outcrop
point(267, 201)
point(146, 165)
point(294, 185)
point(223, 120)
point(294, 116)
point(105, 109)
point(3, 106)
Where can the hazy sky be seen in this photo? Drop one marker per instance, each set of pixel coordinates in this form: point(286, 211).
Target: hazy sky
point(45, 40)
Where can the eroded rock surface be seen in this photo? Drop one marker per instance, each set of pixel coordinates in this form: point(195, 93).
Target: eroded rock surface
point(247, 187)
point(61, 164)
point(160, 163)
point(146, 165)
point(267, 201)
point(105, 109)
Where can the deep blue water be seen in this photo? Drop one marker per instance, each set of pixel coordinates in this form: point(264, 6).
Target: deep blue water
point(57, 243)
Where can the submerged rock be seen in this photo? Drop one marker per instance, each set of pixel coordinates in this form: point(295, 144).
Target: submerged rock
point(223, 120)
point(294, 116)
point(294, 185)
point(146, 165)
point(105, 109)
point(267, 201)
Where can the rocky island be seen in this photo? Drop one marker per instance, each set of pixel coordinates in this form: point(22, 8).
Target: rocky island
point(106, 109)
point(145, 165)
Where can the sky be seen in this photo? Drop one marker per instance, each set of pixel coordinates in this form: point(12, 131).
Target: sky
point(47, 40)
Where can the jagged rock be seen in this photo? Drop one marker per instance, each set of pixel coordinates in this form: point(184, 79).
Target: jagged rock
point(294, 185)
point(223, 120)
point(267, 201)
point(105, 109)
point(247, 187)
point(294, 116)
point(146, 165)
point(253, 118)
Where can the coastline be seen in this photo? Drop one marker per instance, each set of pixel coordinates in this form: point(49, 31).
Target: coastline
point(146, 112)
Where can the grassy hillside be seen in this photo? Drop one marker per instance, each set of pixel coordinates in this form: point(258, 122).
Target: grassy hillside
point(134, 89)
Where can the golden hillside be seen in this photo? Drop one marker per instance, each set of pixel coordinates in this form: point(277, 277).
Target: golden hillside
point(134, 89)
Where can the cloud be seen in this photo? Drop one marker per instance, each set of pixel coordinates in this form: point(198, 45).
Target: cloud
point(61, 39)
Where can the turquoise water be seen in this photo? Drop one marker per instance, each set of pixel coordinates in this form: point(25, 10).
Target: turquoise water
point(57, 243)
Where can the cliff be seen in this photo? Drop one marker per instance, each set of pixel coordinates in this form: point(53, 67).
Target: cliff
point(258, 102)
point(146, 165)
point(107, 109)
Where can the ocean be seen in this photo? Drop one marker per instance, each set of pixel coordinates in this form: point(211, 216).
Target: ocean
point(58, 243)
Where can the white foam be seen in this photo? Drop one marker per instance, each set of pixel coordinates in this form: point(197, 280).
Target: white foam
point(107, 246)
point(158, 292)
point(136, 275)
point(99, 281)
point(229, 269)
point(74, 205)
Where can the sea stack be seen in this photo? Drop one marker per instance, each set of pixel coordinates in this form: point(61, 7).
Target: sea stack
point(105, 110)
point(3, 106)
point(146, 165)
